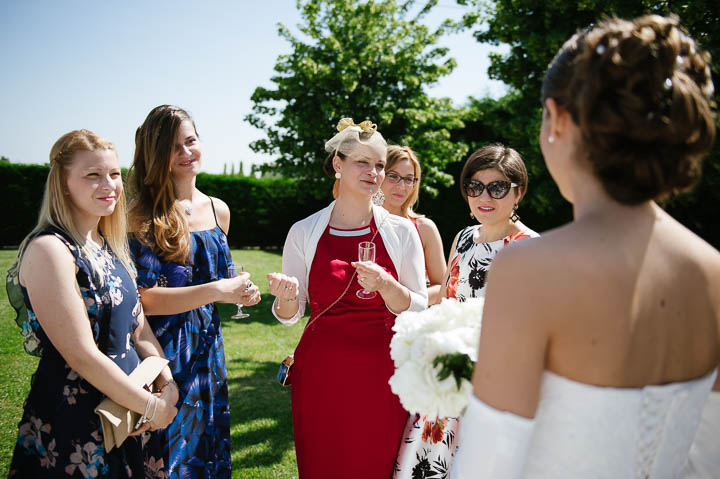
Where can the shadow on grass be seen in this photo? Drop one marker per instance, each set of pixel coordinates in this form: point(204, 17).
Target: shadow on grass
point(262, 408)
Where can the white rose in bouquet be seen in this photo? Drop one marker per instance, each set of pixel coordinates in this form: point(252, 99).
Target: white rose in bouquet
point(433, 351)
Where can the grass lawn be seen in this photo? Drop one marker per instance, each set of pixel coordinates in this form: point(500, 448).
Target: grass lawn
point(260, 419)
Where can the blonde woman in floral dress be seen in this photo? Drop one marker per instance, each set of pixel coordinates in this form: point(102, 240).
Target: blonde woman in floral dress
point(73, 286)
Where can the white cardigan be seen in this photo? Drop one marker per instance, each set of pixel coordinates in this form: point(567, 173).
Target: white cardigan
point(398, 235)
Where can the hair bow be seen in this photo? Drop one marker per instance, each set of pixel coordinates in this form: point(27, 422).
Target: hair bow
point(367, 126)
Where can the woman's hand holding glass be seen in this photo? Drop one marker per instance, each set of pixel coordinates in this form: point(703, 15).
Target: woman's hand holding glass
point(371, 276)
point(285, 288)
point(238, 289)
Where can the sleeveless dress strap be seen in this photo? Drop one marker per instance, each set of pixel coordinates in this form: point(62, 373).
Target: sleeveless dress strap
point(212, 205)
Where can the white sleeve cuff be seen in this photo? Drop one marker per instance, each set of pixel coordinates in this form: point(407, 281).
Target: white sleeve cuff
point(287, 321)
point(492, 443)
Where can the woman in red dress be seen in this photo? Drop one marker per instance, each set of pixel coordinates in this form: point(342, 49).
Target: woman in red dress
point(347, 422)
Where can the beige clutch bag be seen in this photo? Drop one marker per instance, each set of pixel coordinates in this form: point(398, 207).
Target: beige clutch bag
point(118, 421)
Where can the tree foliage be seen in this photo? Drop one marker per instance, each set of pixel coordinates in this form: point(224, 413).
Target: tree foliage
point(361, 59)
point(535, 30)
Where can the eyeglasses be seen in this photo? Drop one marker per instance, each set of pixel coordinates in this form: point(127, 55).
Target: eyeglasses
point(496, 189)
point(393, 177)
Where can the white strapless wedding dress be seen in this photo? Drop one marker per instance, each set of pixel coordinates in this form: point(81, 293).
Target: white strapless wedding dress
point(705, 452)
point(601, 432)
point(585, 431)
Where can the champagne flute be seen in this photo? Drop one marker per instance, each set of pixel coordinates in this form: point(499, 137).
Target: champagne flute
point(233, 271)
point(366, 252)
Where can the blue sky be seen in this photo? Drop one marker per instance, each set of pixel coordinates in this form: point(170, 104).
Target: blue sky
point(103, 65)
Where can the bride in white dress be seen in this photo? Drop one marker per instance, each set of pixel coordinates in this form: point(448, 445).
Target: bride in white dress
point(603, 367)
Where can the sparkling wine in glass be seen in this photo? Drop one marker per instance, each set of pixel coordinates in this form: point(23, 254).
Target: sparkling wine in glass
point(233, 271)
point(366, 252)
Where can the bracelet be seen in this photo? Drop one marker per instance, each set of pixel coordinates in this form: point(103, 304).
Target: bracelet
point(283, 300)
point(149, 419)
point(172, 381)
point(143, 418)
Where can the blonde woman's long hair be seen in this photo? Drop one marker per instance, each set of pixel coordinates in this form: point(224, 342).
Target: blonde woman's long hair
point(56, 209)
point(395, 154)
point(155, 216)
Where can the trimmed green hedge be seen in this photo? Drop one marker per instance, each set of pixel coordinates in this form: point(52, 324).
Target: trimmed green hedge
point(263, 209)
point(22, 192)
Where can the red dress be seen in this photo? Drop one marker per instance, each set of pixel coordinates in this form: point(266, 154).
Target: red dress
point(347, 422)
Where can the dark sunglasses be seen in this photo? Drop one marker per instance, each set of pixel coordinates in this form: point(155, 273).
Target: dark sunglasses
point(496, 189)
point(393, 177)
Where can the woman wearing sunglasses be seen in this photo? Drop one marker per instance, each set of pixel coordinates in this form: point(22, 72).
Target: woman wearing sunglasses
point(493, 181)
point(400, 191)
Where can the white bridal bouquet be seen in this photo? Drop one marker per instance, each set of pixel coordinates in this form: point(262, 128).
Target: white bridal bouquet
point(434, 351)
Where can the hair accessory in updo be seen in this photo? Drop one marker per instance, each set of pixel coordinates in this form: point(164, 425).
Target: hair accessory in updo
point(640, 93)
point(351, 136)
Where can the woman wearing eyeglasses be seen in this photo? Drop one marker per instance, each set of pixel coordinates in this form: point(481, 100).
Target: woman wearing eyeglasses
point(493, 181)
point(400, 191)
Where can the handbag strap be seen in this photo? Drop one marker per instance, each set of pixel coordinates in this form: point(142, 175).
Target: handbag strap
point(352, 278)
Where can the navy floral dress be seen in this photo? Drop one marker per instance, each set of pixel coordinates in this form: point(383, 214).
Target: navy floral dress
point(59, 434)
point(198, 440)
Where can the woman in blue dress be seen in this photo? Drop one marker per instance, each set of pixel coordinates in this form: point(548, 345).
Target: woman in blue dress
point(180, 249)
point(73, 287)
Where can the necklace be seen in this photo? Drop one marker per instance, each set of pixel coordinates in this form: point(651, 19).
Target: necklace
point(98, 245)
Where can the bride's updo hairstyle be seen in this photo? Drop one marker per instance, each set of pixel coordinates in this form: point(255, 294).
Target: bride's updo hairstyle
point(640, 93)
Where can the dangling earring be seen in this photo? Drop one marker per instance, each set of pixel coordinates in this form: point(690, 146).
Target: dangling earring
point(551, 139)
point(472, 215)
point(514, 217)
point(378, 198)
point(337, 175)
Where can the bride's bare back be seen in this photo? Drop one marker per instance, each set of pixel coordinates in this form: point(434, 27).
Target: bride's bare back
point(630, 299)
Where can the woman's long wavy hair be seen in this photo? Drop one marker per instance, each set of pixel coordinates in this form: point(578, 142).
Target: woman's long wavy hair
point(155, 216)
point(56, 209)
point(394, 155)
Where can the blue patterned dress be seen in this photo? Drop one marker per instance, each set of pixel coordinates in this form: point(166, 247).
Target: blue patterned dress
point(59, 434)
point(199, 437)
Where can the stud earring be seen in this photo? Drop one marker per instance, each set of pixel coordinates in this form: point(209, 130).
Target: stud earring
point(551, 139)
point(337, 175)
point(472, 215)
point(514, 217)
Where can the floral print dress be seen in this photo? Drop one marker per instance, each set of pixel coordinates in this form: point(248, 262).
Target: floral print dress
point(197, 442)
point(469, 266)
point(429, 444)
point(59, 434)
